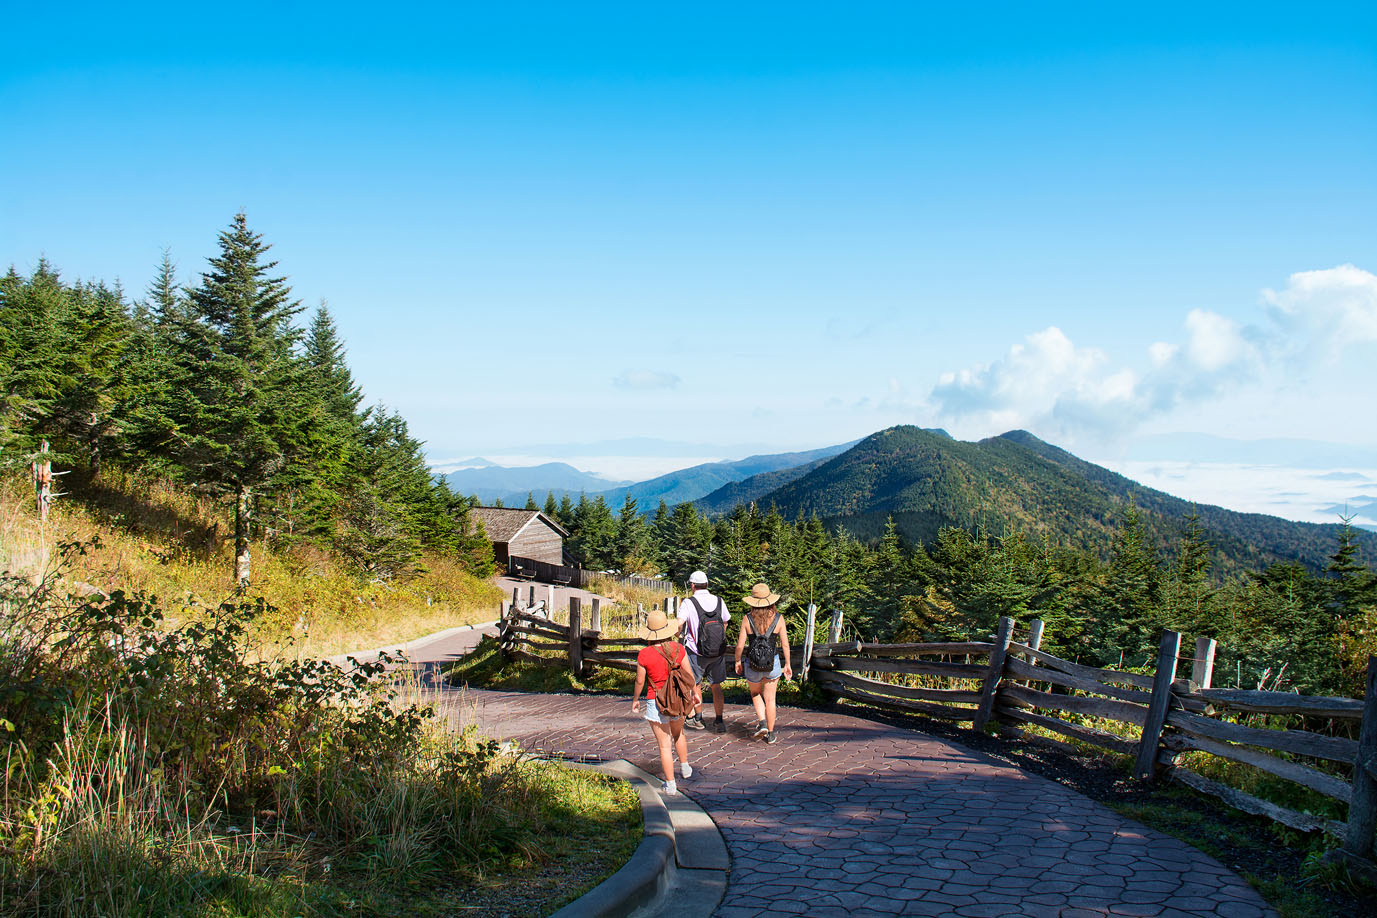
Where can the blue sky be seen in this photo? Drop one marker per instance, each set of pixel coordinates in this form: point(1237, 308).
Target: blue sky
point(786, 224)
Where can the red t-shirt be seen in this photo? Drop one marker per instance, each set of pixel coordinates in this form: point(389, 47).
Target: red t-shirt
point(656, 666)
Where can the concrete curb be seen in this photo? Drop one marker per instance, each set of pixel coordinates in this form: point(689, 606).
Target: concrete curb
point(679, 870)
point(424, 640)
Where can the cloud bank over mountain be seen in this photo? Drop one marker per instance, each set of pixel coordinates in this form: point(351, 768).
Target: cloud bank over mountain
point(1048, 382)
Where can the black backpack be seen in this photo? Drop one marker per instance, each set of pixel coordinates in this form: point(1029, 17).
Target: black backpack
point(760, 648)
point(712, 632)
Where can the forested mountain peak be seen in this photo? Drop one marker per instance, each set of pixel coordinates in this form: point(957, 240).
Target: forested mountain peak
point(1018, 482)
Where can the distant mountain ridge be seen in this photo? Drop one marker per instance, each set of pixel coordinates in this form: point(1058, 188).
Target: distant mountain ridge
point(1017, 482)
point(688, 485)
point(513, 484)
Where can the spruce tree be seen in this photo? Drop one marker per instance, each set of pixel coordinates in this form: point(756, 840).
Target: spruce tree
point(238, 418)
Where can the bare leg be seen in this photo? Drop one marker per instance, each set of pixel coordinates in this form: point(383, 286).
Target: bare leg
point(676, 729)
point(756, 701)
point(717, 701)
point(666, 757)
point(769, 696)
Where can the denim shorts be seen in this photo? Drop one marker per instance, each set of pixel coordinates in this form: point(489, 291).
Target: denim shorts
point(754, 675)
point(652, 713)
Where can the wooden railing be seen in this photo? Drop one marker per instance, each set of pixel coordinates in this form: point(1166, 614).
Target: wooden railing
point(1162, 716)
point(1019, 684)
point(525, 629)
point(571, 575)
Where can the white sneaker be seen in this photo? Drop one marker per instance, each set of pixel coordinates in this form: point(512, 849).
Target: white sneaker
point(671, 789)
point(686, 769)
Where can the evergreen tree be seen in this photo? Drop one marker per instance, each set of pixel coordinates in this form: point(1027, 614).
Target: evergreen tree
point(1187, 594)
point(631, 545)
point(238, 419)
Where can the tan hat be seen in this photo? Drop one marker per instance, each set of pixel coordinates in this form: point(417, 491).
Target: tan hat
point(659, 626)
point(760, 597)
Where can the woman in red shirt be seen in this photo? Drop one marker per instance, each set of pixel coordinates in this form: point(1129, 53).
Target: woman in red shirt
point(659, 631)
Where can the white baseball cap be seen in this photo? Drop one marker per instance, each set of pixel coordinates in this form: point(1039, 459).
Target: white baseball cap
point(699, 578)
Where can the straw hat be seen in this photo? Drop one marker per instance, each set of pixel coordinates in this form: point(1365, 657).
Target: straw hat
point(760, 597)
point(658, 626)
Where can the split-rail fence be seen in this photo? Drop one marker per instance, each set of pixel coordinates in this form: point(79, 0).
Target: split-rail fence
point(1010, 680)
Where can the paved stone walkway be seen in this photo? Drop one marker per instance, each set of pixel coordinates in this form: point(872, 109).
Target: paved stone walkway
point(845, 817)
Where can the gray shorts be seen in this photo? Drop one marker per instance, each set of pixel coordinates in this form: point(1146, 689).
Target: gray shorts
point(714, 669)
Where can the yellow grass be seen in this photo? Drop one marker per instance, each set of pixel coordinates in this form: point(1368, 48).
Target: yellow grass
point(157, 537)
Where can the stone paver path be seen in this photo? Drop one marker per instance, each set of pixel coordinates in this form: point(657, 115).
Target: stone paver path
point(845, 817)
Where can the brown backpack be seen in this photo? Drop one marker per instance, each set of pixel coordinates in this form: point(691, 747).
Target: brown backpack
point(675, 697)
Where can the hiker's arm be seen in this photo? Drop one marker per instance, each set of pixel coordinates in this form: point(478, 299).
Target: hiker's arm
point(740, 645)
point(636, 692)
point(784, 644)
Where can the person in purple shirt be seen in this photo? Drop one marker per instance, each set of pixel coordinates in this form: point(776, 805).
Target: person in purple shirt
point(705, 618)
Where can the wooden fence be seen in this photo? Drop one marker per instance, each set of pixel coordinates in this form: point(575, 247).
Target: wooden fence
point(1010, 679)
point(1016, 682)
point(568, 575)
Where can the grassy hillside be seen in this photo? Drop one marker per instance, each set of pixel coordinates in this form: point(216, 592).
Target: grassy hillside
point(158, 537)
point(926, 481)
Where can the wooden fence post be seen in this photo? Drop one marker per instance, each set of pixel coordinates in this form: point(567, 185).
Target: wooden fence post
point(808, 643)
point(531, 604)
point(995, 673)
point(596, 623)
point(1170, 651)
point(834, 629)
point(1362, 808)
point(516, 597)
point(1035, 634)
point(1202, 670)
point(575, 637)
point(43, 482)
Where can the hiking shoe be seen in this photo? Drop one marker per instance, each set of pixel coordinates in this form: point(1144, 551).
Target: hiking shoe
point(693, 723)
point(718, 726)
point(771, 738)
point(670, 789)
point(760, 730)
point(686, 769)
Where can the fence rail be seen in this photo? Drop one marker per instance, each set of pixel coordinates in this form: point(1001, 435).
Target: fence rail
point(1020, 684)
point(573, 575)
point(1163, 716)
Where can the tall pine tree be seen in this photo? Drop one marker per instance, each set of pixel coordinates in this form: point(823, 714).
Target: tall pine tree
point(239, 417)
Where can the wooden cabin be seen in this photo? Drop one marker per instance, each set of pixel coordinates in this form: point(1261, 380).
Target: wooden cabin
point(522, 534)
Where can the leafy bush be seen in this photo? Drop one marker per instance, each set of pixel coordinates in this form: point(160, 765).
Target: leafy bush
point(153, 769)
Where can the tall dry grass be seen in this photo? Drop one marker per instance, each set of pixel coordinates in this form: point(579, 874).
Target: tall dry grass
point(169, 769)
point(160, 538)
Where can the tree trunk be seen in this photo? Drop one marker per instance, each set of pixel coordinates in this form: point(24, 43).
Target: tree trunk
point(241, 534)
point(95, 446)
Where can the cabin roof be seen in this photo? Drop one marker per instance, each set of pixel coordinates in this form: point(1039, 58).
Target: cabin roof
point(502, 524)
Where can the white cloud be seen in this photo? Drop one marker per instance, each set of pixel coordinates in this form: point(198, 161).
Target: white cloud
point(1048, 383)
point(644, 380)
point(1338, 305)
point(1215, 342)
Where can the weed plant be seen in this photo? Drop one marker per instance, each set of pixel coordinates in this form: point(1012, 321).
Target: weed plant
point(156, 769)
